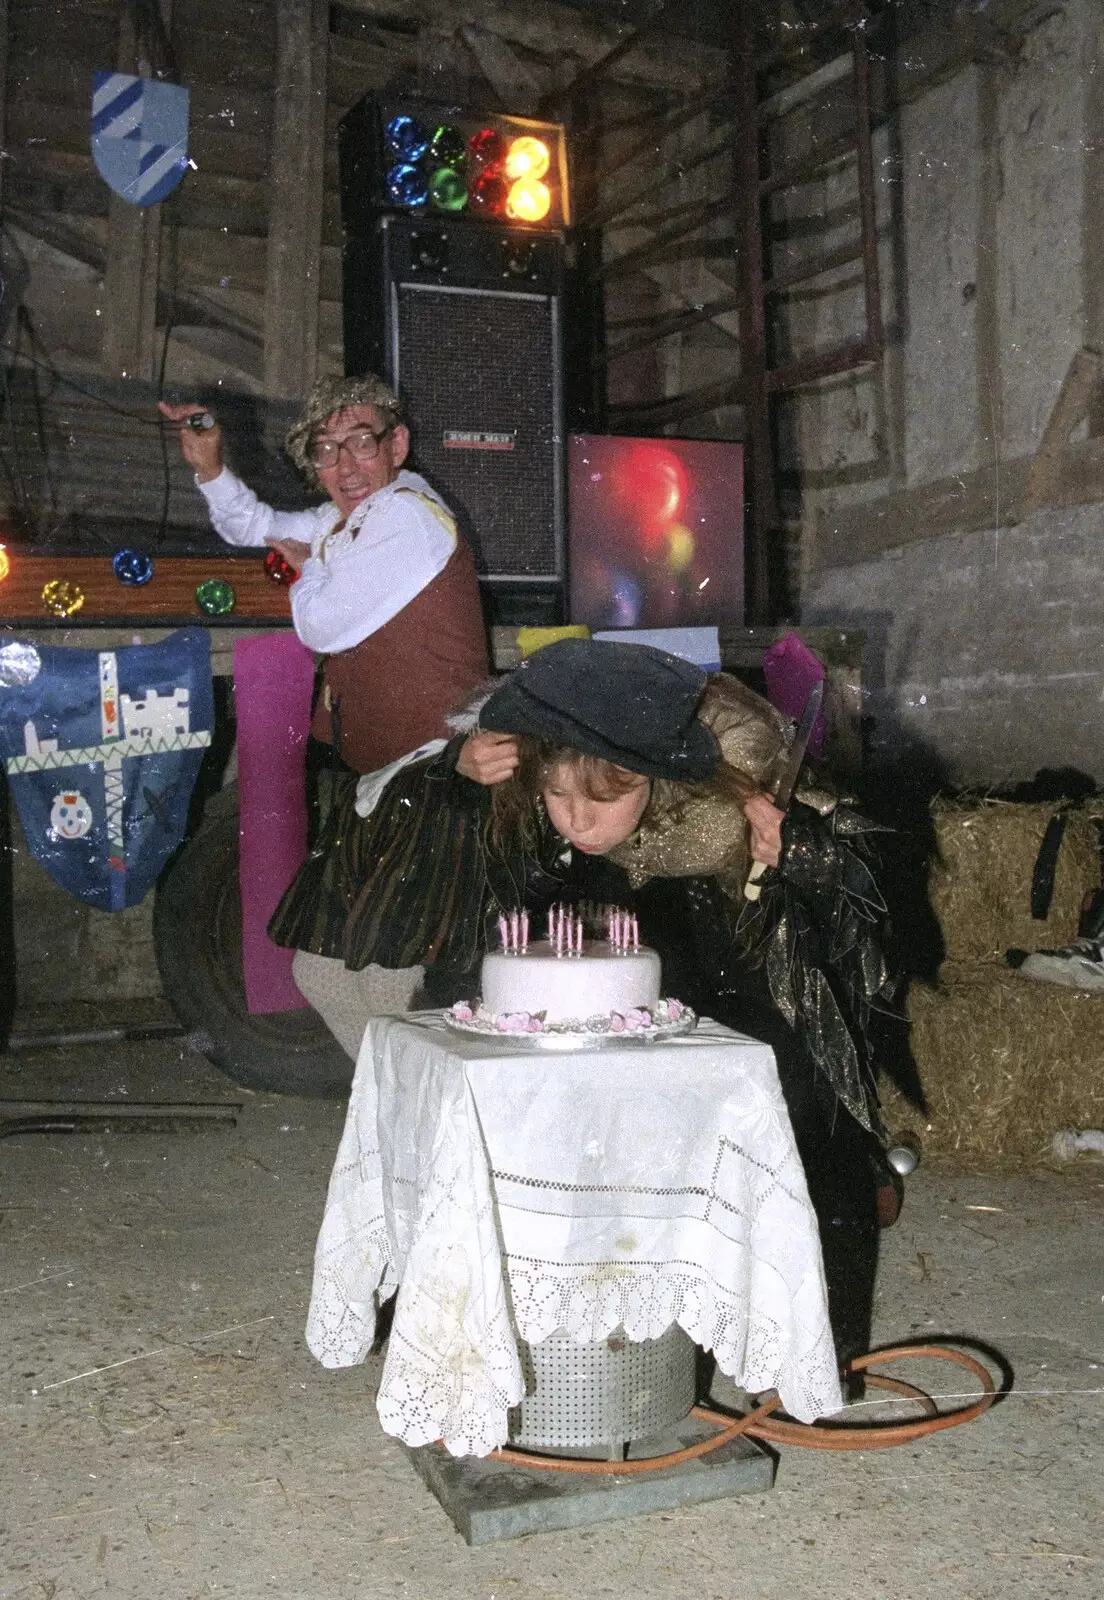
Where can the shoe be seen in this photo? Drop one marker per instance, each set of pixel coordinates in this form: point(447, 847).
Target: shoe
point(1079, 965)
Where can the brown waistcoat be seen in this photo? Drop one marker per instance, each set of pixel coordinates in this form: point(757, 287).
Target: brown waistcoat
point(391, 692)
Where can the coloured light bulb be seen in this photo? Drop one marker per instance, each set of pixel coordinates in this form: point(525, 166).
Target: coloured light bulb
point(487, 148)
point(407, 185)
point(447, 190)
point(529, 200)
point(448, 147)
point(488, 194)
point(527, 158)
point(406, 138)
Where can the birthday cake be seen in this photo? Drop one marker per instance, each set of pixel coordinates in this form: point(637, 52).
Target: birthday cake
point(569, 986)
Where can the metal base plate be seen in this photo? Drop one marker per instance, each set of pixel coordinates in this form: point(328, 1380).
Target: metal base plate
point(490, 1500)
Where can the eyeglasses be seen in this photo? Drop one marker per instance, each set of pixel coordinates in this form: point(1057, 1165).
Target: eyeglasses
point(362, 444)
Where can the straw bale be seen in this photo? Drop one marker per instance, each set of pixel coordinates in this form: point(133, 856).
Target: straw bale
point(1005, 1062)
point(980, 886)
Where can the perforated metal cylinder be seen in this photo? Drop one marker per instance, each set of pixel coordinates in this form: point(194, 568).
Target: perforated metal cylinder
point(580, 1396)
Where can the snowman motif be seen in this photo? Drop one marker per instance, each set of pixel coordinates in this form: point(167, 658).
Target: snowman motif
point(70, 816)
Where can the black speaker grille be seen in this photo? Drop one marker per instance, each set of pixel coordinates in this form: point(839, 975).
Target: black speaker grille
point(484, 365)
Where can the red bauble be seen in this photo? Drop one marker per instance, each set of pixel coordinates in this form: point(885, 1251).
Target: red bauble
point(277, 570)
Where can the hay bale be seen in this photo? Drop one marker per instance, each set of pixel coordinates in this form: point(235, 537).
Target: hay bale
point(1005, 1061)
point(980, 887)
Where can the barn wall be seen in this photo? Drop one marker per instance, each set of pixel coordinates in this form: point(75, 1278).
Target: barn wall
point(952, 501)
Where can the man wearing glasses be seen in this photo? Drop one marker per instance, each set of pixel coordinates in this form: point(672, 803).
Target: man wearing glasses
point(387, 592)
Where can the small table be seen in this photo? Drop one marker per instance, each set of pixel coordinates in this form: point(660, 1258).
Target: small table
point(511, 1193)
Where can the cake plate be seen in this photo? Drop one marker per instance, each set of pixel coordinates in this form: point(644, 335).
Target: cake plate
point(561, 1039)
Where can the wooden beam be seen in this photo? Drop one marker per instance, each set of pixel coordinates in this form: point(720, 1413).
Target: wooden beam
point(3, 95)
point(985, 498)
point(170, 595)
point(295, 190)
point(1071, 407)
point(129, 344)
point(754, 355)
point(506, 73)
point(555, 31)
point(179, 305)
point(590, 79)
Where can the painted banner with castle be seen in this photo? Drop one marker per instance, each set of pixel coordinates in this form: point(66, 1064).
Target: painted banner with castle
point(102, 749)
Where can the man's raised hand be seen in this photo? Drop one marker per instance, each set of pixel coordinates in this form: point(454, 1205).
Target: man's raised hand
point(200, 447)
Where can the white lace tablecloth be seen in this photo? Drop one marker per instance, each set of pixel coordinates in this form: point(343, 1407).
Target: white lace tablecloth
point(512, 1193)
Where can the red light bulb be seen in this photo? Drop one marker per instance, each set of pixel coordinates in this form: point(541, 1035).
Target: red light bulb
point(487, 148)
point(488, 195)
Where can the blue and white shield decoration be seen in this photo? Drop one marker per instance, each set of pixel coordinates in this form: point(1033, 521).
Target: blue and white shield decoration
point(102, 748)
point(139, 135)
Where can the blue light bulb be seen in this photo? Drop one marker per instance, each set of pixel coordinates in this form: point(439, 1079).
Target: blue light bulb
point(406, 138)
point(407, 185)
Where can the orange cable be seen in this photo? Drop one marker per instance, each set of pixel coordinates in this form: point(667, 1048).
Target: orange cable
point(757, 1424)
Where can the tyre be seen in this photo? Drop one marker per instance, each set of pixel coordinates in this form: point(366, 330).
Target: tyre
point(197, 941)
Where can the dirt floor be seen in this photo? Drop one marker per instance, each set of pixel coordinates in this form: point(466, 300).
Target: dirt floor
point(166, 1433)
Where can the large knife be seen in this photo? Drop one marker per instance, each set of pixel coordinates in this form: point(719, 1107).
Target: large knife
point(787, 782)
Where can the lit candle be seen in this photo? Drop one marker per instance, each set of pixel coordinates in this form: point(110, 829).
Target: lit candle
point(513, 930)
point(503, 933)
point(551, 926)
point(635, 932)
point(525, 930)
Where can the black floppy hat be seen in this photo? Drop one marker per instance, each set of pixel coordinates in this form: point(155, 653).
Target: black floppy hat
point(626, 703)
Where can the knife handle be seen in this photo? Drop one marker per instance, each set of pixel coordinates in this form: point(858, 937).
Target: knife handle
point(752, 890)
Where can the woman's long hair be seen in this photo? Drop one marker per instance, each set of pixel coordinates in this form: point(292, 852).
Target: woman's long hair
point(517, 805)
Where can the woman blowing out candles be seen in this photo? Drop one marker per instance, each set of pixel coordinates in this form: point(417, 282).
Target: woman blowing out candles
point(620, 774)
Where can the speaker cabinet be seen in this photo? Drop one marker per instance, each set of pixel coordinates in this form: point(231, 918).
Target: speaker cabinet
point(465, 321)
point(462, 310)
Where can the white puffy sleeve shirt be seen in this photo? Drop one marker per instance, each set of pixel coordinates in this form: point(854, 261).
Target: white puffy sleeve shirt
point(357, 578)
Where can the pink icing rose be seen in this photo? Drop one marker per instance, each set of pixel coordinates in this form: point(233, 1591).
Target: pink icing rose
point(515, 1022)
point(617, 1023)
point(637, 1018)
point(674, 1010)
point(463, 1012)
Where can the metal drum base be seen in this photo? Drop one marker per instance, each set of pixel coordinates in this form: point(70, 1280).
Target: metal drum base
point(585, 1396)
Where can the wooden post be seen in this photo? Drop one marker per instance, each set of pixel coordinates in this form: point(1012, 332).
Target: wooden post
point(753, 328)
point(295, 191)
point(129, 346)
point(3, 95)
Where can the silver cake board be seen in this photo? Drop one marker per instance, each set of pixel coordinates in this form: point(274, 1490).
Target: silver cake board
point(489, 1499)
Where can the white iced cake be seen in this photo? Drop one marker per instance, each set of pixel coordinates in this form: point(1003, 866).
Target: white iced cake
point(595, 983)
point(598, 990)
